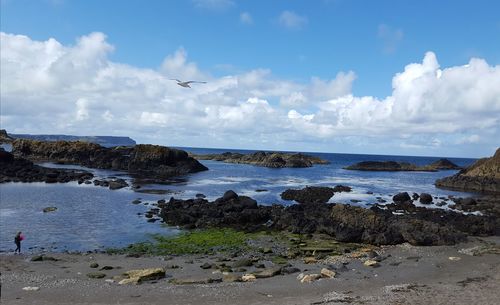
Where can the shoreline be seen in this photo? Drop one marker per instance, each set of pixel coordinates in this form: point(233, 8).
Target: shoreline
point(406, 275)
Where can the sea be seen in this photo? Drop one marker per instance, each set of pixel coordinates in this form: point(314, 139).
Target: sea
point(94, 218)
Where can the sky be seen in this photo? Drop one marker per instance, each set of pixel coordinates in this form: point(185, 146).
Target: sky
point(346, 76)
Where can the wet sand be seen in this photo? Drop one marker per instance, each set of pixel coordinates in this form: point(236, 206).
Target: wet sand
point(406, 275)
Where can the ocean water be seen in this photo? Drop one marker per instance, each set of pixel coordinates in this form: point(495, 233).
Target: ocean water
point(91, 217)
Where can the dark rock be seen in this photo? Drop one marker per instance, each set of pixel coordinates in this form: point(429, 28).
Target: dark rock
point(289, 270)
point(229, 195)
point(310, 194)
point(107, 268)
point(443, 164)
point(94, 265)
point(18, 169)
point(267, 159)
point(401, 197)
point(117, 184)
point(425, 198)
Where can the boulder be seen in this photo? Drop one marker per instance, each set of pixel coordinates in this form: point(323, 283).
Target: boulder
point(425, 198)
point(401, 197)
point(309, 278)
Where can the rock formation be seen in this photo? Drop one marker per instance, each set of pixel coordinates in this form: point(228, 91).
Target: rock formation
point(142, 160)
point(482, 176)
point(267, 159)
point(441, 164)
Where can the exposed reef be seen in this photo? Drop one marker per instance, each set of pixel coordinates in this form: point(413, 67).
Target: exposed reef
point(266, 159)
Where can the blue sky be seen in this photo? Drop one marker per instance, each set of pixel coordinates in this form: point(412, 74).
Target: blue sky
point(294, 42)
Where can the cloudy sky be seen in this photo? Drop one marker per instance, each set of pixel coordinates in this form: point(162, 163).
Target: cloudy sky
point(373, 77)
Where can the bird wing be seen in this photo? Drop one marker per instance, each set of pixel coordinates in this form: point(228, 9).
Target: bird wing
point(176, 80)
point(194, 81)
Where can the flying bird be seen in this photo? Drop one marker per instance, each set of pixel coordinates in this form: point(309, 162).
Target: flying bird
point(186, 84)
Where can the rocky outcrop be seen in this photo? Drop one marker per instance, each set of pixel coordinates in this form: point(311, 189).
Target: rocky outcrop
point(314, 194)
point(231, 210)
point(4, 137)
point(16, 169)
point(267, 159)
point(482, 176)
point(142, 160)
point(441, 164)
point(399, 222)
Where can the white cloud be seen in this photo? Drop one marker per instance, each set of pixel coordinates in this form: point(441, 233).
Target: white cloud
point(292, 20)
point(425, 100)
point(44, 83)
point(390, 37)
point(246, 18)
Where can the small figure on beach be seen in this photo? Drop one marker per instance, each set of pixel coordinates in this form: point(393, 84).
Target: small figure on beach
point(19, 237)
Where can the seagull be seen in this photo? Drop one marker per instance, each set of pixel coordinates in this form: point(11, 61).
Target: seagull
point(186, 84)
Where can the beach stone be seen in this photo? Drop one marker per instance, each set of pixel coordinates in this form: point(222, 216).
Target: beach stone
point(141, 275)
point(309, 278)
point(94, 265)
point(327, 273)
point(454, 258)
point(268, 272)
point(136, 201)
point(248, 278)
point(310, 260)
point(96, 275)
point(371, 263)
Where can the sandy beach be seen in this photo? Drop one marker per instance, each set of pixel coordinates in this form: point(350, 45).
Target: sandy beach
point(406, 275)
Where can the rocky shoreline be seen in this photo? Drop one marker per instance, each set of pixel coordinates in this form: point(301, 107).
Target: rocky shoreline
point(266, 159)
point(15, 169)
point(140, 160)
point(482, 176)
point(398, 222)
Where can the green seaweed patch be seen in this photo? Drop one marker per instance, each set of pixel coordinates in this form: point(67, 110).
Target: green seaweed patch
point(208, 241)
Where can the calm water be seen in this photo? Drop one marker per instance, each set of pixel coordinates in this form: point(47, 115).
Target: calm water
point(91, 217)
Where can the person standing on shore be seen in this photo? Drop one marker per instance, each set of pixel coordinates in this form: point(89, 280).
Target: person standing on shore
point(17, 240)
